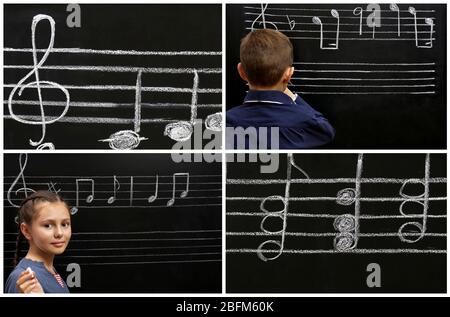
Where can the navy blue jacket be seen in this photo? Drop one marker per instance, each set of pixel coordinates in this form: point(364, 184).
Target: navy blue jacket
point(300, 126)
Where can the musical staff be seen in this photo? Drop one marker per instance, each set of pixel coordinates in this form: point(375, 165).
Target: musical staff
point(389, 215)
point(343, 22)
point(107, 192)
point(75, 107)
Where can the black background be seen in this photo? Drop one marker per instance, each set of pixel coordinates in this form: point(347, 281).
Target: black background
point(361, 121)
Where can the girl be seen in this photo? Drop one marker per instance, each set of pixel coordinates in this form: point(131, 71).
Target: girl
point(44, 220)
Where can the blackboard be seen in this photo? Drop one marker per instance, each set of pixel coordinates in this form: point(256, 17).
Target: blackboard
point(132, 68)
point(341, 213)
point(130, 242)
point(379, 89)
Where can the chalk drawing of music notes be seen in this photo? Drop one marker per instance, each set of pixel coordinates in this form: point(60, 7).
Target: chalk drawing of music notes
point(331, 46)
point(89, 198)
point(280, 214)
point(291, 23)
point(23, 159)
point(153, 197)
point(182, 130)
point(359, 11)
point(428, 21)
point(38, 84)
point(263, 19)
point(407, 231)
point(129, 139)
point(348, 225)
point(116, 186)
point(184, 193)
point(393, 7)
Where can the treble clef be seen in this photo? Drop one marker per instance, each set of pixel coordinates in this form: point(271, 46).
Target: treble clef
point(38, 84)
point(21, 175)
point(263, 18)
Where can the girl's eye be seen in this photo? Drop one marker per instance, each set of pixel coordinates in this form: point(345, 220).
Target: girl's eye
point(47, 226)
point(66, 225)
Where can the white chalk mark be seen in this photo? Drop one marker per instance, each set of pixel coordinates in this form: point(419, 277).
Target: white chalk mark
point(395, 8)
point(357, 251)
point(182, 130)
point(425, 197)
point(46, 146)
point(365, 199)
point(124, 140)
point(263, 17)
point(333, 181)
point(89, 198)
point(429, 22)
point(348, 224)
point(116, 186)
point(332, 46)
point(104, 120)
point(116, 52)
point(52, 188)
point(137, 110)
point(333, 216)
point(184, 193)
point(153, 197)
point(291, 23)
point(346, 196)
point(20, 86)
point(122, 69)
point(23, 159)
point(292, 162)
point(131, 190)
point(359, 11)
point(319, 9)
point(213, 121)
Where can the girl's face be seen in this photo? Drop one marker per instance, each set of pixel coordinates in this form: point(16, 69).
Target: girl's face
point(50, 231)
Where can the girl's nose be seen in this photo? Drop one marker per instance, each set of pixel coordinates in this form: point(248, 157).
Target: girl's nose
point(58, 231)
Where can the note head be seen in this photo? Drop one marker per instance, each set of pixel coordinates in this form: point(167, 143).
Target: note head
point(73, 210)
point(179, 131)
point(170, 202)
point(151, 199)
point(111, 200)
point(412, 10)
point(184, 194)
point(90, 199)
point(316, 20)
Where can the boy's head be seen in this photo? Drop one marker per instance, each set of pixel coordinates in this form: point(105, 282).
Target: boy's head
point(266, 58)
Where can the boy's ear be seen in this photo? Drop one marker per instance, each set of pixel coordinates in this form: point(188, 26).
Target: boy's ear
point(25, 230)
point(288, 74)
point(241, 72)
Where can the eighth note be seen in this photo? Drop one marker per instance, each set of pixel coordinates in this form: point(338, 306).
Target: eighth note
point(89, 198)
point(428, 21)
point(38, 83)
point(184, 193)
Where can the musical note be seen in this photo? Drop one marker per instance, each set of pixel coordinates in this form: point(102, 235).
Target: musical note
point(372, 20)
point(395, 8)
point(184, 193)
point(291, 23)
point(348, 225)
point(416, 199)
point(129, 139)
point(332, 46)
point(263, 17)
point(116, 186)
point(359, 11)
point(281, 214)
point(38, 84)
point(89, 198)
point(22, 157)
point(152, 198)
point(182, 130)
point(429, 22)
point(213, 121)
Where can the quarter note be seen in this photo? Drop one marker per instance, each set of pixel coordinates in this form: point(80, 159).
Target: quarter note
point(20, 86)
point(129, 139)
point(116, 186)
point(395, 8)
point(332, 46)
point(184, 193)
point(153, 197)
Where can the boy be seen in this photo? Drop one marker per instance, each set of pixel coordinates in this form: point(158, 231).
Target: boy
point(272, 116)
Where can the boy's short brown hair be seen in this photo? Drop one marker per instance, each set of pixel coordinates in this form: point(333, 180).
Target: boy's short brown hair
point(265, 55)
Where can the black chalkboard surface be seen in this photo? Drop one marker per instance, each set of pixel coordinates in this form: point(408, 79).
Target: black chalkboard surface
point(120, 80)
point(380, 87)
point(321, 223)
point(138, 232)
